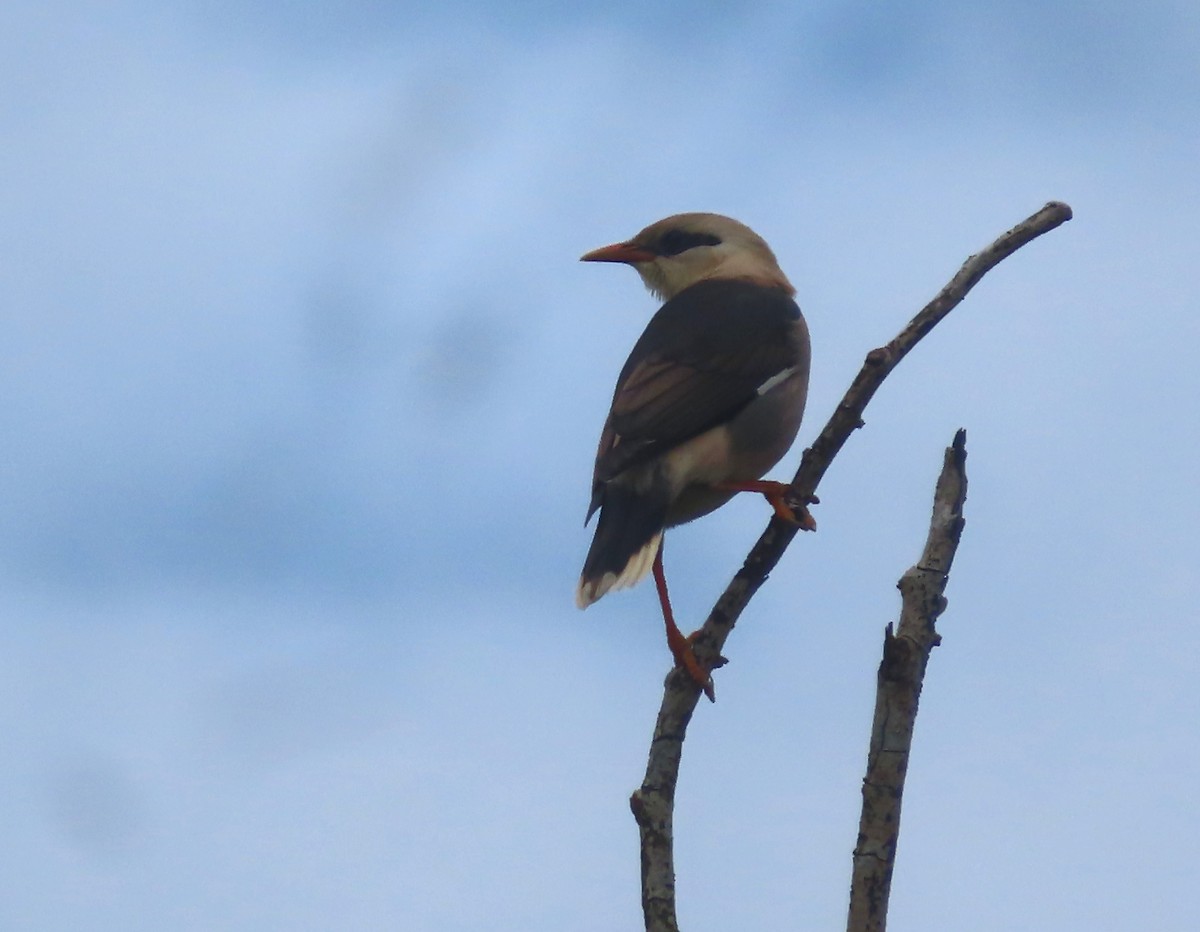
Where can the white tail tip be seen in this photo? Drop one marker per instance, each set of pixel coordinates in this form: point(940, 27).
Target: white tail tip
point(636, 568)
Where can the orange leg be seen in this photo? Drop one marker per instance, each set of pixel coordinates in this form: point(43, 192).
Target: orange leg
point(681, 647)
point(775, 493)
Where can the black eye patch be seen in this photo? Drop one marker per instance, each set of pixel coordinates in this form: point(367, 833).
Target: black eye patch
point(673, 242)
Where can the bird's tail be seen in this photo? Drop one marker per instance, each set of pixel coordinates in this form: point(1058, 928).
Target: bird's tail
point(627, 539)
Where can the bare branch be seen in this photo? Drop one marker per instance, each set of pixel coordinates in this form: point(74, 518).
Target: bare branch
point(654, 801)
point(898, 691)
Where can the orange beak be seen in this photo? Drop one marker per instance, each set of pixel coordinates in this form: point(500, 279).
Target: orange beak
point(628, 253)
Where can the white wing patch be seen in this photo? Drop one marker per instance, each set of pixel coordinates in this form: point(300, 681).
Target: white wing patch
point(777, 378)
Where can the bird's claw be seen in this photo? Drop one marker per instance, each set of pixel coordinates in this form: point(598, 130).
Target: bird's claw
point(686, 660)
point(798, 515)
point(776, 493)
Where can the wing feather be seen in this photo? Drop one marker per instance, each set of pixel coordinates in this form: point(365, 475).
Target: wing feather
point(701, 359)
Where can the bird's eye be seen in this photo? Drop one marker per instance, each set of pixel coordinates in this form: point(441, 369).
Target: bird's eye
point(673, 242)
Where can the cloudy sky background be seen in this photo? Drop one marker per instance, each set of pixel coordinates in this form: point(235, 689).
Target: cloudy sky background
point(300, 382)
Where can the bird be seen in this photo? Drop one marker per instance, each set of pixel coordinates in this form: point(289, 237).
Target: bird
point(710, 399)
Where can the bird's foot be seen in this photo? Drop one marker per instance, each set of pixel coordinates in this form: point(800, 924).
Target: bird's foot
point(685, 657)
point(776, 494)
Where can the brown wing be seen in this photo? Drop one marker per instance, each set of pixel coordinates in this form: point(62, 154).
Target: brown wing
point(702, 358)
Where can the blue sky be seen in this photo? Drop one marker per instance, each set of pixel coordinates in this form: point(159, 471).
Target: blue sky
point(300, 381)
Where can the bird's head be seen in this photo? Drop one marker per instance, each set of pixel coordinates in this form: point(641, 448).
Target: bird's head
point(677, 252)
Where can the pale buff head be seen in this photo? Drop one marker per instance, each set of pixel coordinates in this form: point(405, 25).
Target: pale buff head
point(680, 250)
